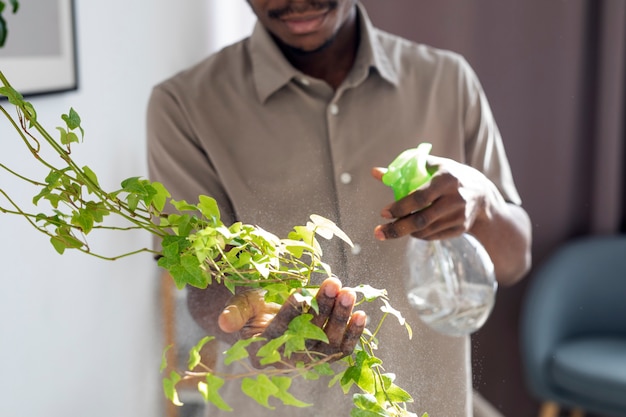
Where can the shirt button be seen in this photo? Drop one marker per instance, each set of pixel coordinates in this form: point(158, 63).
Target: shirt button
point(356, 249)
point(345, 178)
point(333, 109)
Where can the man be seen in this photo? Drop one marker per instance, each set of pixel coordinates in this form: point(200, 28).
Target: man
point(288, 123)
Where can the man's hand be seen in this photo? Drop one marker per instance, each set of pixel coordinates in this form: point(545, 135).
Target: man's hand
point(459, 199)
point(249, 314)
point(456, 197)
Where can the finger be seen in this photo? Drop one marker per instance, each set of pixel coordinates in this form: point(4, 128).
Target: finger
point(326, 300)
point(378, 172)
point(353, 332)
point(418, 200)
point(445, 212)
point(339, 317)
point(290, 310)
point(238, 311)
point(443, 228)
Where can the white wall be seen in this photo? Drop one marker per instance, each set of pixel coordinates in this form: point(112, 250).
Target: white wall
point(80, 336)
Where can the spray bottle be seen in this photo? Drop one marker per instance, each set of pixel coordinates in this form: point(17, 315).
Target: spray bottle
point(451, 282)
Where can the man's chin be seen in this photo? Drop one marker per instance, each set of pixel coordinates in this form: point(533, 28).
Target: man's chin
point(304, 50)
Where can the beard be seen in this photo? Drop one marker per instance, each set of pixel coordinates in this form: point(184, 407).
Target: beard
point(303, 7)
point(294, 50)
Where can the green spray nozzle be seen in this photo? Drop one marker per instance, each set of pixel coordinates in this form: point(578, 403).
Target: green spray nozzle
point(408, 171)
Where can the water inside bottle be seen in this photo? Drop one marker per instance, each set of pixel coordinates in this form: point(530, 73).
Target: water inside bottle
point(451, 284)
point(453, 314)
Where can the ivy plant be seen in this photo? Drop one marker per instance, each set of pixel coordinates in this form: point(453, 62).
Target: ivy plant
point(3, 24)
point(198, 250)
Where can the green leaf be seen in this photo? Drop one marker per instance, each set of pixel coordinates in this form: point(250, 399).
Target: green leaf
point(133, 201)
point(390, 310)
point(64, 238)
point(98, 210)
point(283, 383)
point(3, 30)
point(93, 178)
point(370, 293)
point(183, 205)
point(269, 352)
point(12, 94)
point(324, 369)
point(194, 352)
point(209, 209)
point(327, 229)
point(297, 247)
point(164, 358)
point(138, 189)
point(186, 272)
point(391, 392)
point(361, 373)
point(58, 244)
point(357, 412)
point(338, 377)
point(307, 298)
point(238, 350)
point(66, 137)
point(183, 224)
point(303, 234)
point(72, 120)
point(396, 394)
point(83, 219)
point(210, 392)
point(260, 389)
point(302, 326)
point(29, 111)
point(263, 268)
point(161, 196)
point(277, 292)
point(169, 388)
point(63, 136)
point(300, 330)
point(367, 406)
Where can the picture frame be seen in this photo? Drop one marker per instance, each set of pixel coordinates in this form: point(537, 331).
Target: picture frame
point(39, 55)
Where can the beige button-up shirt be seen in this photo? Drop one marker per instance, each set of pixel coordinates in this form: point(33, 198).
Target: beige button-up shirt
point(274, 145)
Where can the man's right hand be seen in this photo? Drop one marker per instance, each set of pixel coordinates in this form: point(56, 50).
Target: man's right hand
point(249, 314)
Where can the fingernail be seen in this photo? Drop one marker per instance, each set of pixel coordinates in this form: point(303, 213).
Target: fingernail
point(378, 233)
point(359, 319)
point(330, 291)
point(346, 299)
point(385, 213)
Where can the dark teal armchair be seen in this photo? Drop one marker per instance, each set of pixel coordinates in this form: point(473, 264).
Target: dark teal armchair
point(573, 329)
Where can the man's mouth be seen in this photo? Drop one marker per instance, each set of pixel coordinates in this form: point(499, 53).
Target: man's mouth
point(302, 23)
point(311, 6)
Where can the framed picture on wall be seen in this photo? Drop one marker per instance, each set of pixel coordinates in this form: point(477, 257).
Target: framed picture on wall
point(39, 55)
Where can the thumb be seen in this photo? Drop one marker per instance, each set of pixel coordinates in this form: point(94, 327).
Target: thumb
point(239, 310)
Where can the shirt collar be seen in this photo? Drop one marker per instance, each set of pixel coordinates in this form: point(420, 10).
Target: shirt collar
point(271, 71)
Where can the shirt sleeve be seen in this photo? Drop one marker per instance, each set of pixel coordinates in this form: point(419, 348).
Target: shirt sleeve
point(484, 147)
point(175, 156)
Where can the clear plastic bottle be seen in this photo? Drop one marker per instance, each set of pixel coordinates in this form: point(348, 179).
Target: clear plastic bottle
point(451, 283)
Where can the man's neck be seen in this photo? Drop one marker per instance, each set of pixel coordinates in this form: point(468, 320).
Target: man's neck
point(333, 62)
